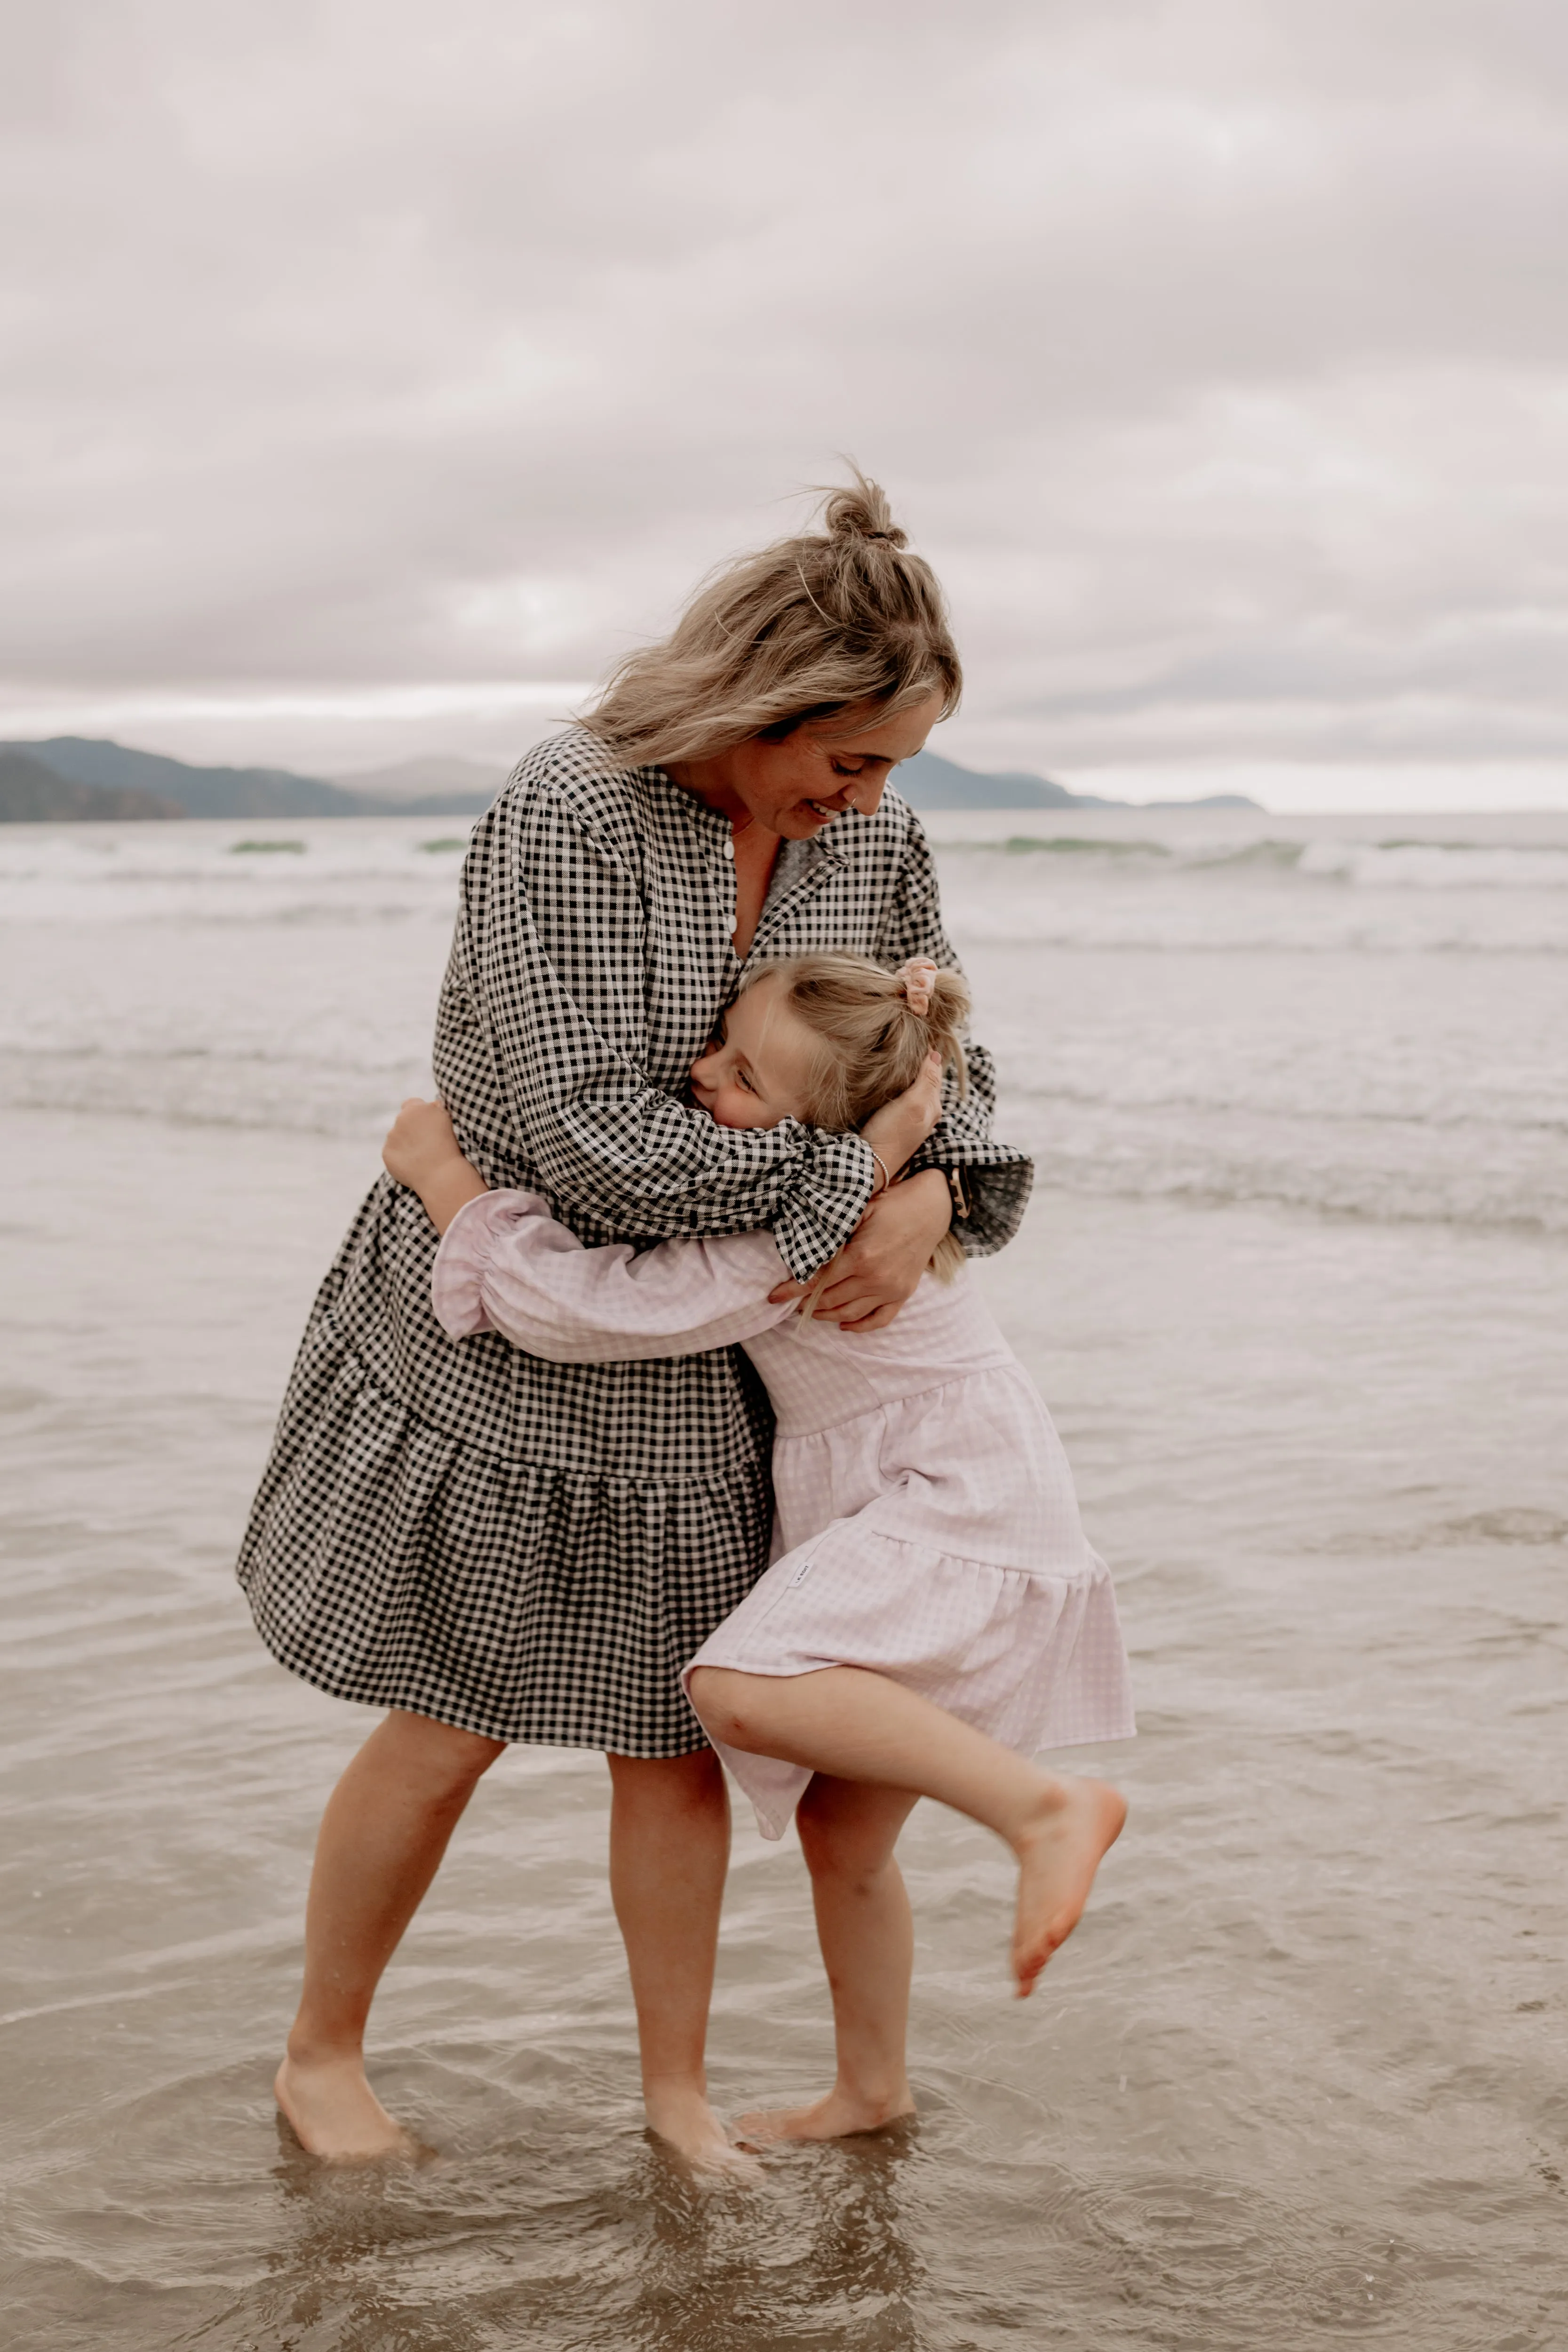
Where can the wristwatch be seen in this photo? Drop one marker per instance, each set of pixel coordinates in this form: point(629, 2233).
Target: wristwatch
point(960, 1195)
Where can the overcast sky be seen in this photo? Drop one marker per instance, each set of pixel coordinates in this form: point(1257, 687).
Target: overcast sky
point(375, 372)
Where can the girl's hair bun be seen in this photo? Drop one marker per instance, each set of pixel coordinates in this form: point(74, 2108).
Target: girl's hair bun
point(871, 1041)
point(862, 512)
point(874, 1041)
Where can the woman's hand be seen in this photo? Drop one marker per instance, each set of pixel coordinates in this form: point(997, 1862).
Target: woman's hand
point(897, 1131)
point(880, 1265)
point(421, 1151)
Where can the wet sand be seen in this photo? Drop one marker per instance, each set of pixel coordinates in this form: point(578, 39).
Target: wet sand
point(1297, 2078)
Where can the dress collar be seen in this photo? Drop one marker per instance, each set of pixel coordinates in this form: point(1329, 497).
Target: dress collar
point(795, 857)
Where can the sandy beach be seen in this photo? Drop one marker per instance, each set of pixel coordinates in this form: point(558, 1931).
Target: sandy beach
point(1293, 1287)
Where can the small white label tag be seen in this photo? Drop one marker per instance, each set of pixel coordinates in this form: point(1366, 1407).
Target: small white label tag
point(800, 1574)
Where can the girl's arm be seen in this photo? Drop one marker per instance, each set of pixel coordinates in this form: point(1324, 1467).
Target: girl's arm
point(423, 1152)
point(506, 1265)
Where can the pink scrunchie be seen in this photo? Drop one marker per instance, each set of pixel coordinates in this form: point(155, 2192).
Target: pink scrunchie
point(917, 978)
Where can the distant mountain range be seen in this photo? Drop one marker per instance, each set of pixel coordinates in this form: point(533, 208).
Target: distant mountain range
point(928, 782)
point(31, 793)
point(104, 768)
point(76, 777)
point(443, 780)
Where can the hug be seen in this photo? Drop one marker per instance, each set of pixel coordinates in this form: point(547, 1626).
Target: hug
point(539, 1530)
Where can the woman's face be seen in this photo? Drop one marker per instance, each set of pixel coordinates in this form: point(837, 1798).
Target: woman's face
point(797, 788)
point(758, 1069)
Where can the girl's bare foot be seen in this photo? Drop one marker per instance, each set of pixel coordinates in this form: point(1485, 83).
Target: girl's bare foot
point(335, 2114)
point(681, 2115)
point(837, 2116)
point(1057, 1857)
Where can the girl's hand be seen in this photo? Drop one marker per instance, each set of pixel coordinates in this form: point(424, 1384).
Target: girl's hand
point(419, 1142)
point(897, 1131)
point(421, 1151)
point(879, 1266)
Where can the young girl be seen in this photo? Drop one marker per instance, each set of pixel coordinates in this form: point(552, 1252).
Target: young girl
point(932, 1615)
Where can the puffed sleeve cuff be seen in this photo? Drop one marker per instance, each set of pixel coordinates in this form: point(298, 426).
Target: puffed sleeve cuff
point(997, 1181)
point(456, 1279)
point(825, 1203)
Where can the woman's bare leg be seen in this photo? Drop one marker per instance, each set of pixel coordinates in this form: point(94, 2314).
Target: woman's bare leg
point(670, 1850)
point(865, 1727)
point(848, 1831)
point(382, 1838)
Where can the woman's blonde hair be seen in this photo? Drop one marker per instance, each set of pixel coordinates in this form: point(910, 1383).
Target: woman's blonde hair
point(827, 622)
point(872, 1042)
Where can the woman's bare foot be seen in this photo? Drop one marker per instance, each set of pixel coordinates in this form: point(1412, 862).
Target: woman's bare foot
point(836, 2116)
point(335, 2114)
point(680, 2115)
point(1057, 1858)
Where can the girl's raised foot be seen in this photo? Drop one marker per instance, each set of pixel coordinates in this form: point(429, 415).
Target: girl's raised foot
point(1057, 1857)
point(335, 2113)
point(837, 2116)
point(680, 2115)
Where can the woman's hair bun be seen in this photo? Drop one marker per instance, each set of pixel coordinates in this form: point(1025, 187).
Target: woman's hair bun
point(862, 512)
point(842, 618)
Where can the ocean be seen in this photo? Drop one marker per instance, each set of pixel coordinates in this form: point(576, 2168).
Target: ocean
point(1293, 1285)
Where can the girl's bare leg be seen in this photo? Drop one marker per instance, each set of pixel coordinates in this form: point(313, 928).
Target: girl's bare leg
point(848, 1831)
point(670, 1850)
point(382, 1838)
point(865, 1727)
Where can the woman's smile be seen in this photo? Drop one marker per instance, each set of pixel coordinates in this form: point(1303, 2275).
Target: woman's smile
point(763, 780)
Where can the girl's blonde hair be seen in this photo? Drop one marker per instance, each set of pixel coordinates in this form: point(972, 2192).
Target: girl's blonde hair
point(872, 1042)
point(816, 626)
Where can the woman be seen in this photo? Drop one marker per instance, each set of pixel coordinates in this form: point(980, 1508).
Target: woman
point(500, 1549)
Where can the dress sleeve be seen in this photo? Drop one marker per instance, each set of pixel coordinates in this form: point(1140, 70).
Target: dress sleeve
point(996, 1178)
point(506, 1265)
point(555, 941)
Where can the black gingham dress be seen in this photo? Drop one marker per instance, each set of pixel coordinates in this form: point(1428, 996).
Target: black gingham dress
point(534, 1550)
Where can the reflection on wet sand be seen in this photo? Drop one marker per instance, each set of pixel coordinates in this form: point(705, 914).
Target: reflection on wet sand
point(455, 2257)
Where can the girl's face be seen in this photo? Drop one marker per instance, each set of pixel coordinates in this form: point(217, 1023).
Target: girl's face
point(757, 1071)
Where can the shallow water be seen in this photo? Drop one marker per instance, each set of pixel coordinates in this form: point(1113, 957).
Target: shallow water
point(1295, 1290)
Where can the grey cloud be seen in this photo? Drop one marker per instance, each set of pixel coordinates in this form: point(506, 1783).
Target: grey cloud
point(1216, 354)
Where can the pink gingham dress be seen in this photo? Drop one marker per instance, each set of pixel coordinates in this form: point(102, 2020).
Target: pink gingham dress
point(926, 1528)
